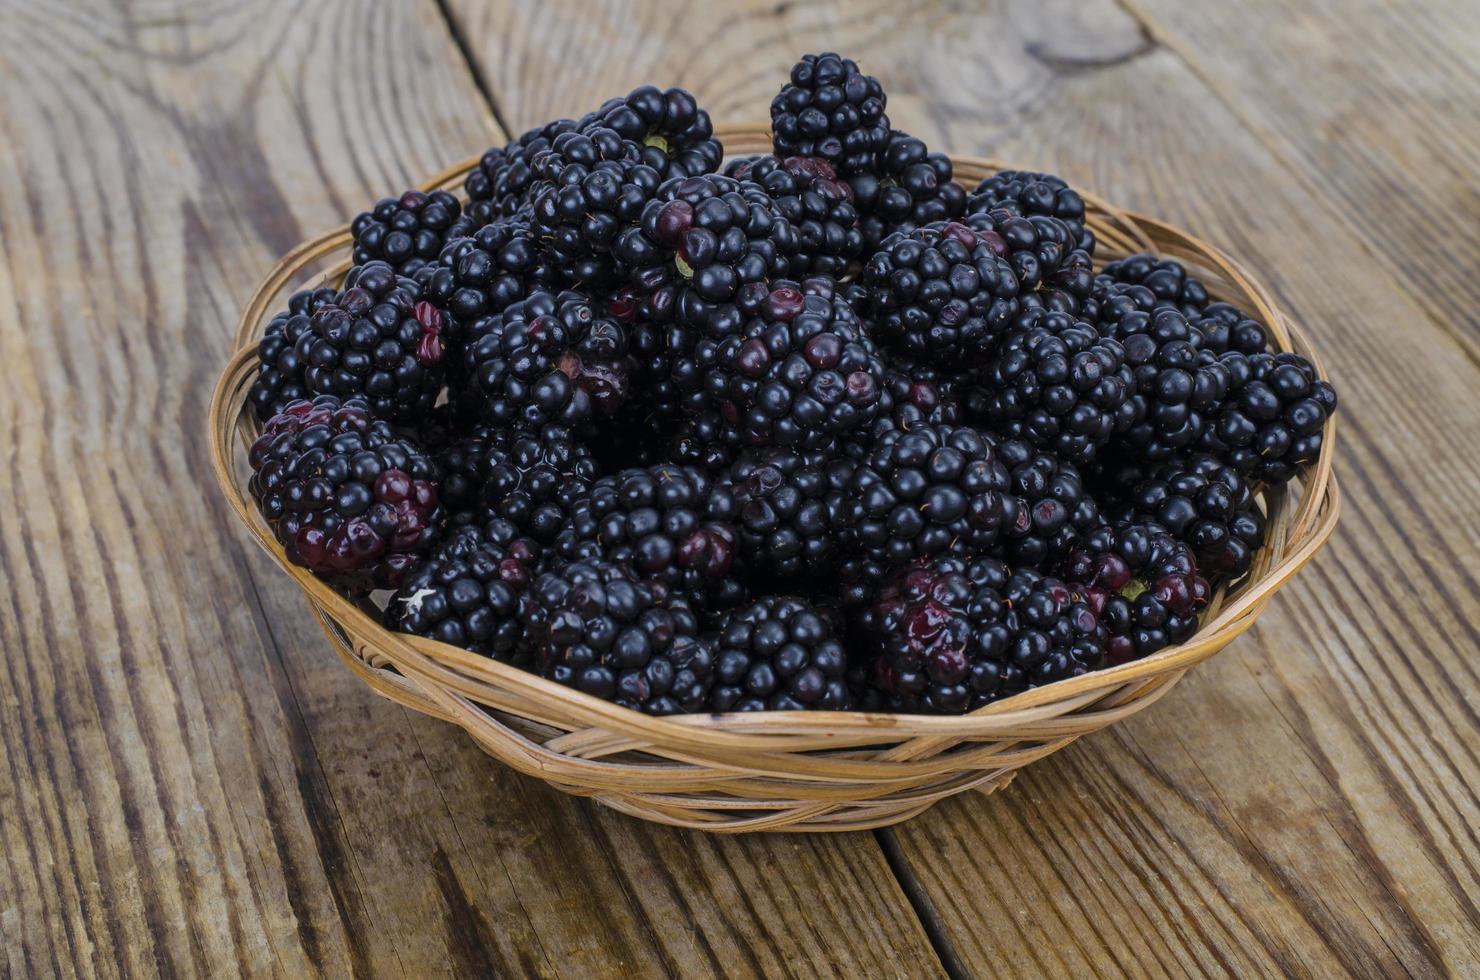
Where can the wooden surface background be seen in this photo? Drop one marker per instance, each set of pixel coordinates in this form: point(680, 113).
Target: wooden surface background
point(191, 784)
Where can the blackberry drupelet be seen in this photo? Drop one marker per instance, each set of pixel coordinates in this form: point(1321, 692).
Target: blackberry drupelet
point(907, 187)
point(790, 508)
point(830, 109)
point(409, 231)
point(547, 359)
point(529, 479)
point(819, 206)
point(1142, 583)
point(1026, 193)
point(674, 134)
point(779, 653)
point(1058, 509)
point(345, 497)
point(1272, 421)
point(279, 366)
point(921, 394)
point(498, 187)
point(379, 341)
point(1167, 279)
point(581, 211)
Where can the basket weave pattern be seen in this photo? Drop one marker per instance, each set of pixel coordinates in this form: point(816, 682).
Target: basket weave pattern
point(807, 771)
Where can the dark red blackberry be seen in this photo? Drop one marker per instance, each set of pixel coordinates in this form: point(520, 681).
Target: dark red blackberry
point(791, 509)
point(481, 275)
point(1058, 509)
point(603, 630)
point(530, 479)
point(581, 210)
point(942, 293)
point(830, 109)
point(1224, 327)
point(951, 634)
point(1025, 193)
point(1144, 585)
point(780, 653)
point(498, 186)
point(674, 134)
point(1167, 279)
point(668, 522)
point(928, 490)
point(377, 340)
point(1207, 506)
point(819, 206)
point(906, 188)
point(346, 498)
point(1272, 421)
point(470, 593)
point(550, 358)
point(1056, 383)
point(409, 231)
point(279, 365)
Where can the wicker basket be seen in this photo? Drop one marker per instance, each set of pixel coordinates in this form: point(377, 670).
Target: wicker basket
point(804, 771)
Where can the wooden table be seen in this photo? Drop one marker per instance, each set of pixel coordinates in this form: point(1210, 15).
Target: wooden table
point(190, 783)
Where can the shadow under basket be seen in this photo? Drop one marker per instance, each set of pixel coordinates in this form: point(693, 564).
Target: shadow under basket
point(795, 771)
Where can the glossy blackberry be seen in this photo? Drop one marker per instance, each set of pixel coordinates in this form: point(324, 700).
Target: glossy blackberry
point(668, 522)
point(550, 358)
point(279, 365)
point(1272, 421)
point(819, 206)
point(951, 634)
point(1026, 193)
point(918, 393)
point(1056, 383)
point(943, 293)
point(1057, 511)
point(529, 479)
point(674, 134)
point(377, 340)
point(1168, 280)
point(1142, 583)
point(907, 187)
point(791, 508)
point(483, 274)
point(830, 109)
point(410, 231)
point(803, 372)
point(470, 593)
point(1052, 271)
point(1224, 327)
point(498, 186)
point(1207, 506)
point(780, 653)
point(581, 210)
point(601, 629)
point(928, 490)
point(345, 497)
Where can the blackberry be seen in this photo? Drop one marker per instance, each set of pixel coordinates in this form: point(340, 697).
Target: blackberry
point(377, 340)
point(529, 479)
point(583, 208)
point(818, 205)
point(1205, 505)
point(951, 634)
point(674, 134)
point(1224, 327)
point(1056, 383)
point(830, 109)
point(803, 372)
point(1167, 279)
point(1273, 418)
point(345, 497)
point(1142, 583)
point(410, 231)
point(790, 509)
point(471, 593)
point(601, 629)
point(483, 274)
point(1058, 509)
point(928, 490)
point(1052, 270)
point(907, 187)
point(498, 186)
point(942, 293)
point(779, 653)
point(549, 358)
point(1025, 193)
point(921, 394)
point(668, 522)
point(279, 366)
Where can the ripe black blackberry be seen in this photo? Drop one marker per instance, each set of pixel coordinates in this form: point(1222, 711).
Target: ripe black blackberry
point(1168, 280)
point(582, 209)
point(346, 497)
point(377, 340)
point(1272, 420)
point(830, 109)
point(1207, 506)
point(1057, 510)
point(1052, 270)
point(780, 653)
point(409, 231)
point(1224, 327)
point(530, 479)
point(603, 630)
point(906, 188)
point(470, 593)
point(1142, 583)
point(550, 358)
point(498, 187)
point(950, 634)
point(790, 508)
point(674, 134)
point(819, 206)
point(1026, 193)
point(279, 366)
point(670, 523)
point(483, 274)
point(1056, 383)
point(928, 490)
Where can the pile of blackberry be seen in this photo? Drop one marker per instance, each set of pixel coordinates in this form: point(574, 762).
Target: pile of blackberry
point(814, 429)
